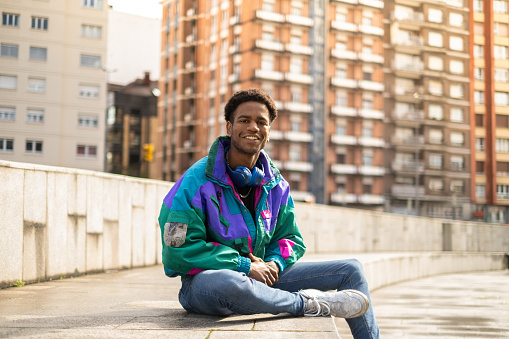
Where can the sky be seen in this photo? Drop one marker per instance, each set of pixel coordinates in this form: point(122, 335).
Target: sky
point(147, 8)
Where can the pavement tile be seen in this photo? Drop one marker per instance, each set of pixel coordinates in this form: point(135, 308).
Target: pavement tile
point(272, 335)
point(100, 334)
point(290, 323)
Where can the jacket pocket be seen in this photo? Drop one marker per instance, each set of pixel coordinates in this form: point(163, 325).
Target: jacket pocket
point(222, 219)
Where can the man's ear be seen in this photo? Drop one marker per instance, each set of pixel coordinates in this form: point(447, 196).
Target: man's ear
point(229, 128)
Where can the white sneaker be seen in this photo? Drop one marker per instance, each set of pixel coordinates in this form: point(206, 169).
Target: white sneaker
point(342, 304)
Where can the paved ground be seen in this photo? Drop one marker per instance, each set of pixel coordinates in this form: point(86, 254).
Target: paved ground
point(470, 305)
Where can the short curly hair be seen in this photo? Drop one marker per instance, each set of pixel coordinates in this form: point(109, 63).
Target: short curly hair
point(250, 94)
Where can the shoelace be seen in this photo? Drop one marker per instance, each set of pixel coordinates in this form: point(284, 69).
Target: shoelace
point(322, 308)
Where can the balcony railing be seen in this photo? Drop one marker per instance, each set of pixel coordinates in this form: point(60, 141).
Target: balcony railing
point(369, 113)
point(343, 54)
point(371, 199)
point(408, 141)
point(371, 142)
point(372, 3)
point(299, 49)
point(268, 75)
point(408, 16)
point(276, 134)
point(416, 66)
point(344, 82)
point(411, 41)
point(343, 169)
point(299, 78)
point(343, 198)
point(344, 111)
point(408, 166)
point(298, 136)
point(407, 191)
point(269, 45)
point(299, 20)
point(371, 170)
point(344, 26)
point(298, 107)
point(409, 115)
point(371, 85)
point(270, 16)
point(347, 1)
point(371, 30)
point(299, 166)
point(370, 57)
point(344, 139)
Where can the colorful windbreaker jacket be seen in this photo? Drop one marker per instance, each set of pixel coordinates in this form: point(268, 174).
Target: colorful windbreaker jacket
point(205, 225)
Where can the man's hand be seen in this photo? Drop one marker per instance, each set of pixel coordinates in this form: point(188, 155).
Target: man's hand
point(262, 272)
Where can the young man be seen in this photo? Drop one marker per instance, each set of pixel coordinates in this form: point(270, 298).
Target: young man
point(228, 228)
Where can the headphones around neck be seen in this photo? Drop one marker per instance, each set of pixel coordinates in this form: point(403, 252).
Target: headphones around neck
point(242, 176)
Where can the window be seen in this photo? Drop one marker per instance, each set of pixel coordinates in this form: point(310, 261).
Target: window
point(457, 163)
point(268, 62)
point(455, 19)
point(436, 136)
point(480, 191)
point(457, 186)
point(93, 3)
point(457, 91)
point(295, 153)
point(35, 115)
point(88, 121)
point(8, 82)
point(501, 75)
point(456, 114)
point(478, 4)
point(456, 43)
point(435, 161)
point(478, 28)
point(435, 63)
point(435, 15)
point(503, 168)
point(90, 61)
point(33, 146)
point(435, 87)
point(296, 65)
point(89, 91)
point(367, 100)
point(268, 5)
point(94, 32)
point(501, 98)
point(36, 85)
point(479, 97)
point(479, 120)
point(38, 53)
point(479, 144)
point(6, 145)
point(478, 51)
point(268, 32)
point(500, 52)
point(296, 94)
point(436, 112)
point(457, 138)
point(500, 29)
point(367, 158)
point(457, 67)
point(86, 151)
point(435, 39)
point(9, 19)
point(502, 121)
point(9, 51)
point(502, 145)
point(500, 6)
point(479, 167)
point(479, 73)
point(7, 113)
point(296, 8)
point(436, 184)
point(39, 23)
point(503, 191)
point(341, 98)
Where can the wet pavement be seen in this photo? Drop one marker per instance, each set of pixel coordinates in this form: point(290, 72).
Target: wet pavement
point(467, 305)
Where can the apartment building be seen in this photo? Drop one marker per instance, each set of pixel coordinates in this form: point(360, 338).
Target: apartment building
point(52, 83)
point(427, 108)
point(210, 49)
point(490, 110)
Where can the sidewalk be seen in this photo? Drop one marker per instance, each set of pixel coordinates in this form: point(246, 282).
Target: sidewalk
point(142, 303)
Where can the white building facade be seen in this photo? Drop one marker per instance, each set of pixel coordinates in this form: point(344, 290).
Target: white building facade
point(53, 83)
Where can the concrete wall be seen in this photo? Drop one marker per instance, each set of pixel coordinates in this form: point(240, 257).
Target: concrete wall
point(59, 221)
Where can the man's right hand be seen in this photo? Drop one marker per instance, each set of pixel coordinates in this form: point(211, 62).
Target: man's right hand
point(262, 272)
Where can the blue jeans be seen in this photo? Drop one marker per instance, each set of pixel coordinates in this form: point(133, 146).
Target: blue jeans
point(225, 292)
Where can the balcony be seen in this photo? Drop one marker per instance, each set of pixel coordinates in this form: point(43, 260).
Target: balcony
point(370, 57)
point(302, 196)
point(299, 49)
point(343, 198)
point(299, 166)
point(408, 166)
point(191, 38)
point(279, 105)
point(353, 2)
point(344, 54)
point(234, 49)
point(233, 78)
point(189, 90)
point(407, 191)
point(298, 107)
point(305, 79)
point(371, 85)
point(417, 66)
point(436, 91)
point(410, 115)
point(344, 111)
point(408, 16)
point(411, 42)
point(297, 136)
point(369, 113)
point(344, 26)
point(344, 82)
point(268, 75)
point(343, 169)
point(299, 20)
point(234, 20)
point(408, 141)
point(191, 12)
point(373, 30)
point(371, 199)
point(372, 3)
point(270, 16)
point(269, 45)
point(276, 134)
point(339, 139)
point(190, 66)
point(371, 170)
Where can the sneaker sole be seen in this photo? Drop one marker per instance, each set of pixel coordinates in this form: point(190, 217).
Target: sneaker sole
point(365, 299)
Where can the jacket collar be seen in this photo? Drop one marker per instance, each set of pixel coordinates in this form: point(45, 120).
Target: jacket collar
point(216, 165)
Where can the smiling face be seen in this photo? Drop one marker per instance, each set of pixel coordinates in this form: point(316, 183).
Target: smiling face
point(249, 132)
